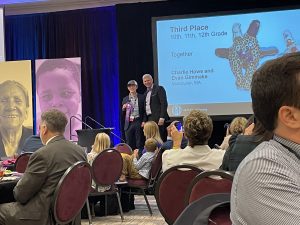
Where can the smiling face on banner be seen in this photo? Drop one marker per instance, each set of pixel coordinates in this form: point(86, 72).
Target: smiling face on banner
point(13, 105)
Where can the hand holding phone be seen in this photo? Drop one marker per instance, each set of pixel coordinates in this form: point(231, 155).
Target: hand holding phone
point(178, 126)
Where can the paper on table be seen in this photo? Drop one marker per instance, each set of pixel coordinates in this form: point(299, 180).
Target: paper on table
point(10, 178)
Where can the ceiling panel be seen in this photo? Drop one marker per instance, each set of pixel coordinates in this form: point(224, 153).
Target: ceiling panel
point(14, 7)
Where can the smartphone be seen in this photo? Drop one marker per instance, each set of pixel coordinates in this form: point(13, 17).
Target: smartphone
point(178, 125)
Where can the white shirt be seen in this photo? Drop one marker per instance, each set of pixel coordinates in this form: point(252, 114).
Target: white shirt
point(201, 156)
point(148, 96)
point(51, 139)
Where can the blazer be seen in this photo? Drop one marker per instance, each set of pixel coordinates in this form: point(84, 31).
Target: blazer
point(238, 150)
point(158, 103)
point(141, 102)
point(34, 192)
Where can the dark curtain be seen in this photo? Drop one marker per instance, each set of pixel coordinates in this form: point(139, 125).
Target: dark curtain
point(135, 37)
point(89, 34)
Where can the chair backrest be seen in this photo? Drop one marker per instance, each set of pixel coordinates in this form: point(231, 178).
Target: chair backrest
point(156, 166)
point(71, 192)
point(22, 161)
point(107, 167)
point(124, 148)
point(210, 209)
point(209, 182)
point(220, 215)
point(171, 190)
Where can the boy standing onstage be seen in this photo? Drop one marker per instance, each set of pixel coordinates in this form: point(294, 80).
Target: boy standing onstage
point(138, 169)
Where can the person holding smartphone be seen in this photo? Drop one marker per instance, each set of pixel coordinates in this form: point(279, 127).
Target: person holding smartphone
point(169, 143)
point(198, 128)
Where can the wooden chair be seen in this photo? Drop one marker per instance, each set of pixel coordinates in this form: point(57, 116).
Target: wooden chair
point(71, 193)
point(106, 170)
point(171, 190)
point(22, 161)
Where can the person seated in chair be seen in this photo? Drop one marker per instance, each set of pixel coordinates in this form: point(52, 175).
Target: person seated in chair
point(198, 128)
point(102, 142)
point(34, 191)
point(243, 144)
point(169, 143)
point(139, 169)
point(151, 130)
point(235, 128)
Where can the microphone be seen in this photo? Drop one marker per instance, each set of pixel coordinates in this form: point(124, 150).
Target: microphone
point(79, 119)
point(95, 121)
point(226, 125)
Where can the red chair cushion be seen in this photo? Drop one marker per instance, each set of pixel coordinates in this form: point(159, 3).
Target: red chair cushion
point(109, 161)
point(209, 185)
point(172, 192)
point(72, 194)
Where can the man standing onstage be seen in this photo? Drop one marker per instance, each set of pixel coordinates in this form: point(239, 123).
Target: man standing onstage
point(266, 186)
point(34, 192)
point(156, 105)
point(133, 108)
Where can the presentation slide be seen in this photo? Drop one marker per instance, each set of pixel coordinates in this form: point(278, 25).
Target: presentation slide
point(2, 48)
point(207, 63)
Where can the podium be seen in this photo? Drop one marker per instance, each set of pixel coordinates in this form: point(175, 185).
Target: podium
point(86, 137)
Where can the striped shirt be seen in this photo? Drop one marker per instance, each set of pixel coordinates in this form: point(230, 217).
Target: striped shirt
point(266, 186)
point(135, 106)
point(143, 165)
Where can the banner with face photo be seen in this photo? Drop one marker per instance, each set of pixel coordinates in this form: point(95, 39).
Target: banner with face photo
point(16, 119)
point(58, 86)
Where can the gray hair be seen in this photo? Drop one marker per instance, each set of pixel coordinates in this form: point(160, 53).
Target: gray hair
point(55, 120)
point(19, 85)
point(147, 76)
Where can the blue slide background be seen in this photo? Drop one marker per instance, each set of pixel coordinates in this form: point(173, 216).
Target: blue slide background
point(219, 85)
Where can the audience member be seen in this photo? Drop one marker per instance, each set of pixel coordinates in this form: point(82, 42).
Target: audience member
point(253, 135)
point(151, 130)
point(169, 143)
point(32, 143)
point(134, 111)
point(138, 169)
point(14, 111)
point(102, 142)
point(156, 104)
point(235, 128)
point(34, 191)
point(198, 128)
point(266, 184)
